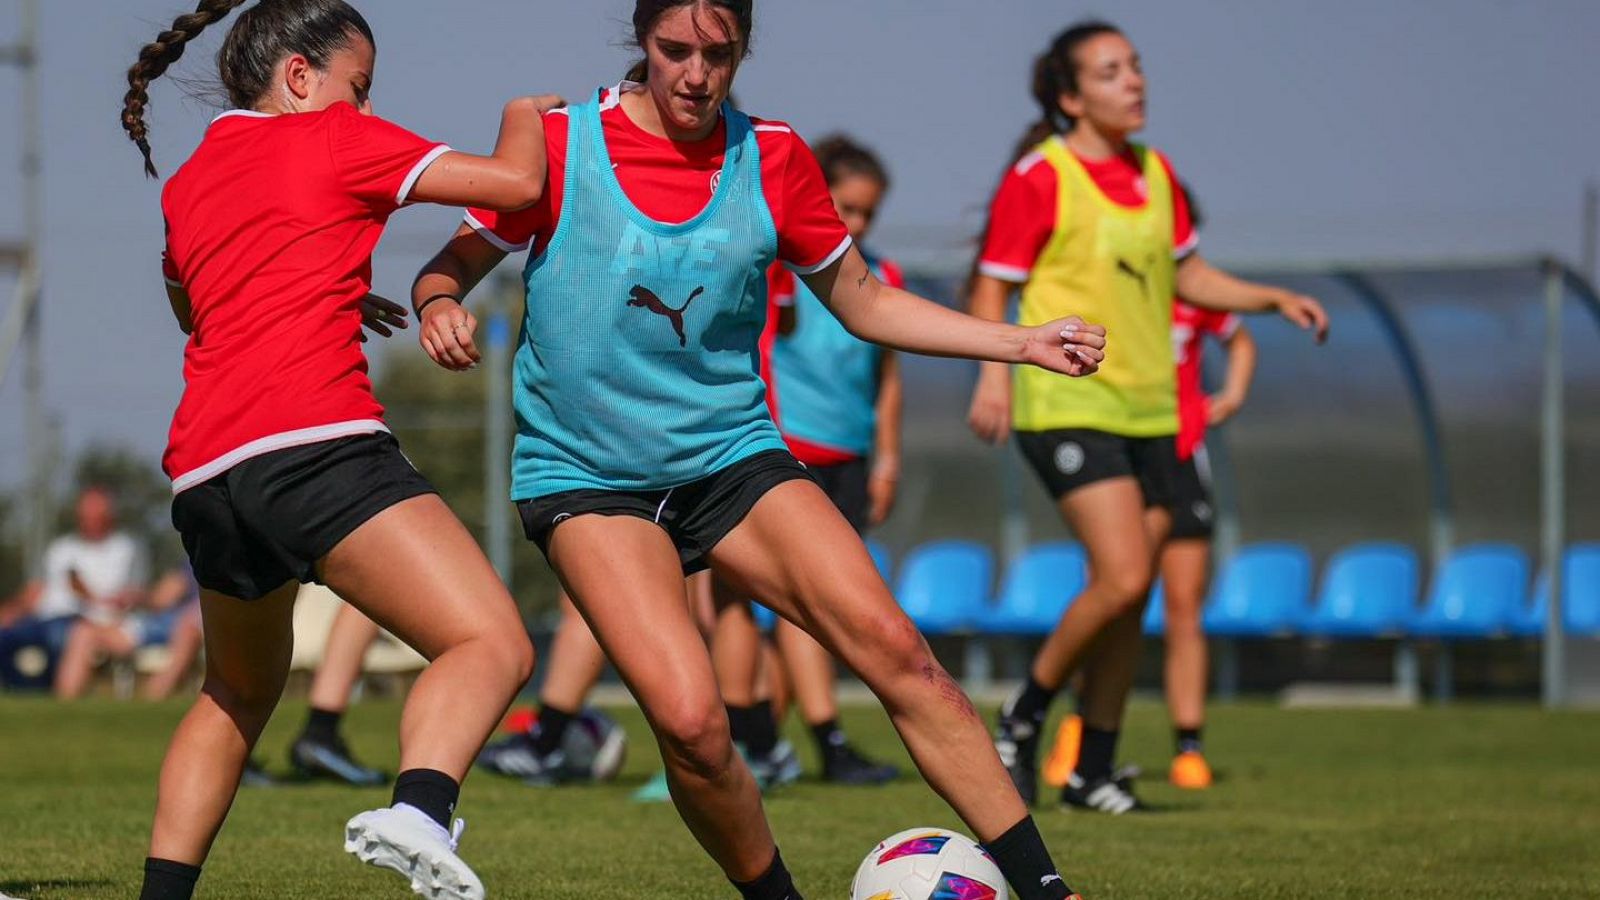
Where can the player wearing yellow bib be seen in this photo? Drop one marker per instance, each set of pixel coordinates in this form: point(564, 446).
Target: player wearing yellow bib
point(1087, 220)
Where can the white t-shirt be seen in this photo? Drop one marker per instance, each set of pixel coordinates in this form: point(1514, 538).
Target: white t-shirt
point(108, 566)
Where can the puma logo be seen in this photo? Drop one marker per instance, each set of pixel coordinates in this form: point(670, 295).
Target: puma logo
point(1049, 878)
point(1127, 269)
point(644, 298)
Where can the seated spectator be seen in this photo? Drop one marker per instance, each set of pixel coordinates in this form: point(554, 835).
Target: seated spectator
point(97, 571)
point(179, 595)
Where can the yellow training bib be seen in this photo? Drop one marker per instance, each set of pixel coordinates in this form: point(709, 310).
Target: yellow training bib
point(1112, 265)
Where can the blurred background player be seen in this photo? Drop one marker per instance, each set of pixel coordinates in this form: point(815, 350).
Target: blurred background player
point(837, 401)
point(1087, 220)
point(1184, 567)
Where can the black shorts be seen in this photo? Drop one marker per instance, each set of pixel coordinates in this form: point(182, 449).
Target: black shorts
point(268, 520)
point(1192, 511)
point(1070, 458)
point(846, 485)
point(697, 515)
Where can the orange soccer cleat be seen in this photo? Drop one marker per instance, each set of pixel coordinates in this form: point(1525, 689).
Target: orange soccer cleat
point(1190, 771)
point(1063, 756)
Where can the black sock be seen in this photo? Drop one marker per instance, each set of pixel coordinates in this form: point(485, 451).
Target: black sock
point(1031, 703)
point(830, 737)
point(431, 791)
point(754, 728)
point(322, 725)
point(774, 884)
point(1099, 748)
point(551, 729)
point(1021, 855)
point(168, 880)
point(1188, 740)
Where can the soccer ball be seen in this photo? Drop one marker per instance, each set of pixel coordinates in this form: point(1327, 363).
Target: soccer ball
point(594, 746)
point(928, 864)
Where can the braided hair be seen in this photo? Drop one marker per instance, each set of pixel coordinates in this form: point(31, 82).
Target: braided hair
point(257, 42)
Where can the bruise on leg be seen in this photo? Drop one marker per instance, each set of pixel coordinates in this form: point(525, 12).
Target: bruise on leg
point(949, 691)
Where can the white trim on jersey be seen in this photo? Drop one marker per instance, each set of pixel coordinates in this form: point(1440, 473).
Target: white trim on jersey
point(402, 197)
point(241, 113)
point(832, 258)
point(780, 129)
point(172, 282)
point(272, 443)
point(1189, 247)
point(499, 242)
point(1026, 164)
point(1013, 274)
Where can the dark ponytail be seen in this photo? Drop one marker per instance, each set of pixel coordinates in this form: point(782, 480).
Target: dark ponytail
point(647, 12)
point(263, 36)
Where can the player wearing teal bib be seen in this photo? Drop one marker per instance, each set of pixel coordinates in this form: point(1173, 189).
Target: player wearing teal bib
point(645, 448)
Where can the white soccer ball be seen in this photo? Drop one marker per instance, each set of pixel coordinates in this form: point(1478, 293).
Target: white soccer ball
point(928, 864)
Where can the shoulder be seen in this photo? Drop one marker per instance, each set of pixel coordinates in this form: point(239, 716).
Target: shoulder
point(1166, 163)
point(1033, 173)
point(778, 140)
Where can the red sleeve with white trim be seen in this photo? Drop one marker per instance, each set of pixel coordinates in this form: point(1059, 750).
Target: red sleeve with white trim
point(513, 232)
point(810, 235)
point(1185, 240)
point(1021, 220)
point(169, 270)
point(377, 162)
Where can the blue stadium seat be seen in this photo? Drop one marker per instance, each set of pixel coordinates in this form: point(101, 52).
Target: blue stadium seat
point(1155, 614)
point(882, 557)
point(945, 585)
point(1476, 592)
point(1580, 592)
point(766, 619)
point(1263, 592)
point(1368, 591)
point(1039, 586)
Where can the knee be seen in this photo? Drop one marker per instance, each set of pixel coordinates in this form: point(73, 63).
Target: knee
point(250, 702)
point(1125, 589)
point(518, 654)
point(694, 734)
point(893, 648)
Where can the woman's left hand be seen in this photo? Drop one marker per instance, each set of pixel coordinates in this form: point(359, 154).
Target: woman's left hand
point(1070, 346)
point(379, 315)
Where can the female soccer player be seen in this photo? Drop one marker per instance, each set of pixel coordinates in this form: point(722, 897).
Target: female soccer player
point(1086, 219)
point(644, 445)
point(836, 399)
point(282, 468)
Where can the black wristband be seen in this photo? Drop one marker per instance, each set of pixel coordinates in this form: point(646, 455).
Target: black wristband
point(424, 304)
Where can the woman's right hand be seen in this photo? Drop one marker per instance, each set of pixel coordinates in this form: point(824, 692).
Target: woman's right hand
point(990, 413)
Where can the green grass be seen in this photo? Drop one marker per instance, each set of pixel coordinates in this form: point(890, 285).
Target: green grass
point(1465, 802)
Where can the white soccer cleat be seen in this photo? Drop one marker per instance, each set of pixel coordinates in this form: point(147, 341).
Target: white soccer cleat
point(405, 839)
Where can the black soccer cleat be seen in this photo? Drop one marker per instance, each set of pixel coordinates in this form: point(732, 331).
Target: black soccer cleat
point(331, 760)
point(842, 764)
point(1111, 794)
point(1017, 742)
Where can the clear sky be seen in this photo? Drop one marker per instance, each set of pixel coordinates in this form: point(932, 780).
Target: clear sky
point(1311, 130)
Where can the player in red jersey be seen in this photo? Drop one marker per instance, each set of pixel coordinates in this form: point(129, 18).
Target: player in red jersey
point(1087, 218)
point(283, 471)
point(837, 401)
point(644, 447)
point(1185, 559)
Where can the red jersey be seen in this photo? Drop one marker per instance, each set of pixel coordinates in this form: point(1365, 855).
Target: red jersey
point(780, 293)
point(1190, 325)
point(672, 182)
point(1023, 214)
point(271, 226)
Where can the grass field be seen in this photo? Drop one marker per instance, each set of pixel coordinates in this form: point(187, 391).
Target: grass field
point(1465, 802)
